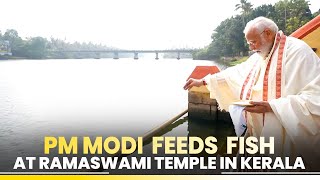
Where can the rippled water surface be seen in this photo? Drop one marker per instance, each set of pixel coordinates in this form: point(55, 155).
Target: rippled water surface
point(87, 97)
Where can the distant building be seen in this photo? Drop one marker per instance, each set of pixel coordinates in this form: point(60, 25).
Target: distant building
point(5, 48)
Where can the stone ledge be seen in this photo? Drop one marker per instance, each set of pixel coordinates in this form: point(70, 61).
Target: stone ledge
point(201, 107)
point(201, 98)
point(202, 111)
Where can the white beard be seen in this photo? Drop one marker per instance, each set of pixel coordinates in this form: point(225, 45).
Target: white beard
point(265, 48)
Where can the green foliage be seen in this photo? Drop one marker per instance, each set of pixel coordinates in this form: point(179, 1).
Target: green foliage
point(263, 10)
point(41, 48)
point(316, 13)
point(246, 8)
point(228, 39)
point(36, 48)
point(292, 14)
point(15, 40)
point(204, 54)
point(238, 61)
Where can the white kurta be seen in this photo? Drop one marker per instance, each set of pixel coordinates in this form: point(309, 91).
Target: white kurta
point(295, 120)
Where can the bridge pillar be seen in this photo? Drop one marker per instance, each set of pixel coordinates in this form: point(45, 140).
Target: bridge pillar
point(97, 56)
point(116, 55)
point(136, 56)
point(178, 56)
point(157, 55)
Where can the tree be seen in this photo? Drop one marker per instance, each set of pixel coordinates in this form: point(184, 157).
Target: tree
point(228, 39)
point(245, 7)
point(316, 13)
point(36, 48)
point(263, 10)
point(15, 40)
point(292, 14)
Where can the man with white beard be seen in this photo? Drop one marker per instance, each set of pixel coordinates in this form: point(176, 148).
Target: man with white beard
point(281, 81)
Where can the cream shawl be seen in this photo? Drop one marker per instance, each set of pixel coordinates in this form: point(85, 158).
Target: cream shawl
point(295, 120)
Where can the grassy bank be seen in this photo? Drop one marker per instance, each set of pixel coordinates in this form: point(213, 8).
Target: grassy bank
point(230, 61)
point(238, 60)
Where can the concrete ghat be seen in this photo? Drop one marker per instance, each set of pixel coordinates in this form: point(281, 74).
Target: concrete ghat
point(200, 105)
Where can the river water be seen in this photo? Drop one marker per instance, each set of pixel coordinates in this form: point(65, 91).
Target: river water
point(87, 97)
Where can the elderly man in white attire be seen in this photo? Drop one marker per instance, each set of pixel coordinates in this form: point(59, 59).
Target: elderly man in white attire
point(282, 82)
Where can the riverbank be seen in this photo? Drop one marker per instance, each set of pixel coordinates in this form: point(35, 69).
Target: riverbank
point(226, 62)
point(237, 60)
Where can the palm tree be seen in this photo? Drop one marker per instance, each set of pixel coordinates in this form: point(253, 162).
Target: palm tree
point(246, 8)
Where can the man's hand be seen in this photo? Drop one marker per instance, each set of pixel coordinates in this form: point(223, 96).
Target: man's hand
point(192, 82)
point(259, 107)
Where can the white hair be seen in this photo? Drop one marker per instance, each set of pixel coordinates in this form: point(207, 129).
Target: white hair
point(261, 23)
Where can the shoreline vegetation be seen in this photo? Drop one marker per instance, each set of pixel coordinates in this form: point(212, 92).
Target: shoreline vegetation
point(227, 47)
point(234, 60)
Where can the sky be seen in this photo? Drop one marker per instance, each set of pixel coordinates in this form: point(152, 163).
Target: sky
point(126, 24)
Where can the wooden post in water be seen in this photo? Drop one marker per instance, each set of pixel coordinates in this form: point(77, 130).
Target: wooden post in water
point(156, 130)
point(136, 57)
point(116, 55)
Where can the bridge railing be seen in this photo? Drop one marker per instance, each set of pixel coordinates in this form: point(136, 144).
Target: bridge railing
point(135, 53)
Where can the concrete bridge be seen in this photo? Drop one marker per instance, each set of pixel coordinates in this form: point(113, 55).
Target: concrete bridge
point(134, 52)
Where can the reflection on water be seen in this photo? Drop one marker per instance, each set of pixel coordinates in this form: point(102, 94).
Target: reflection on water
point(186, 127)
point(198, 128)
point(89, 97)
